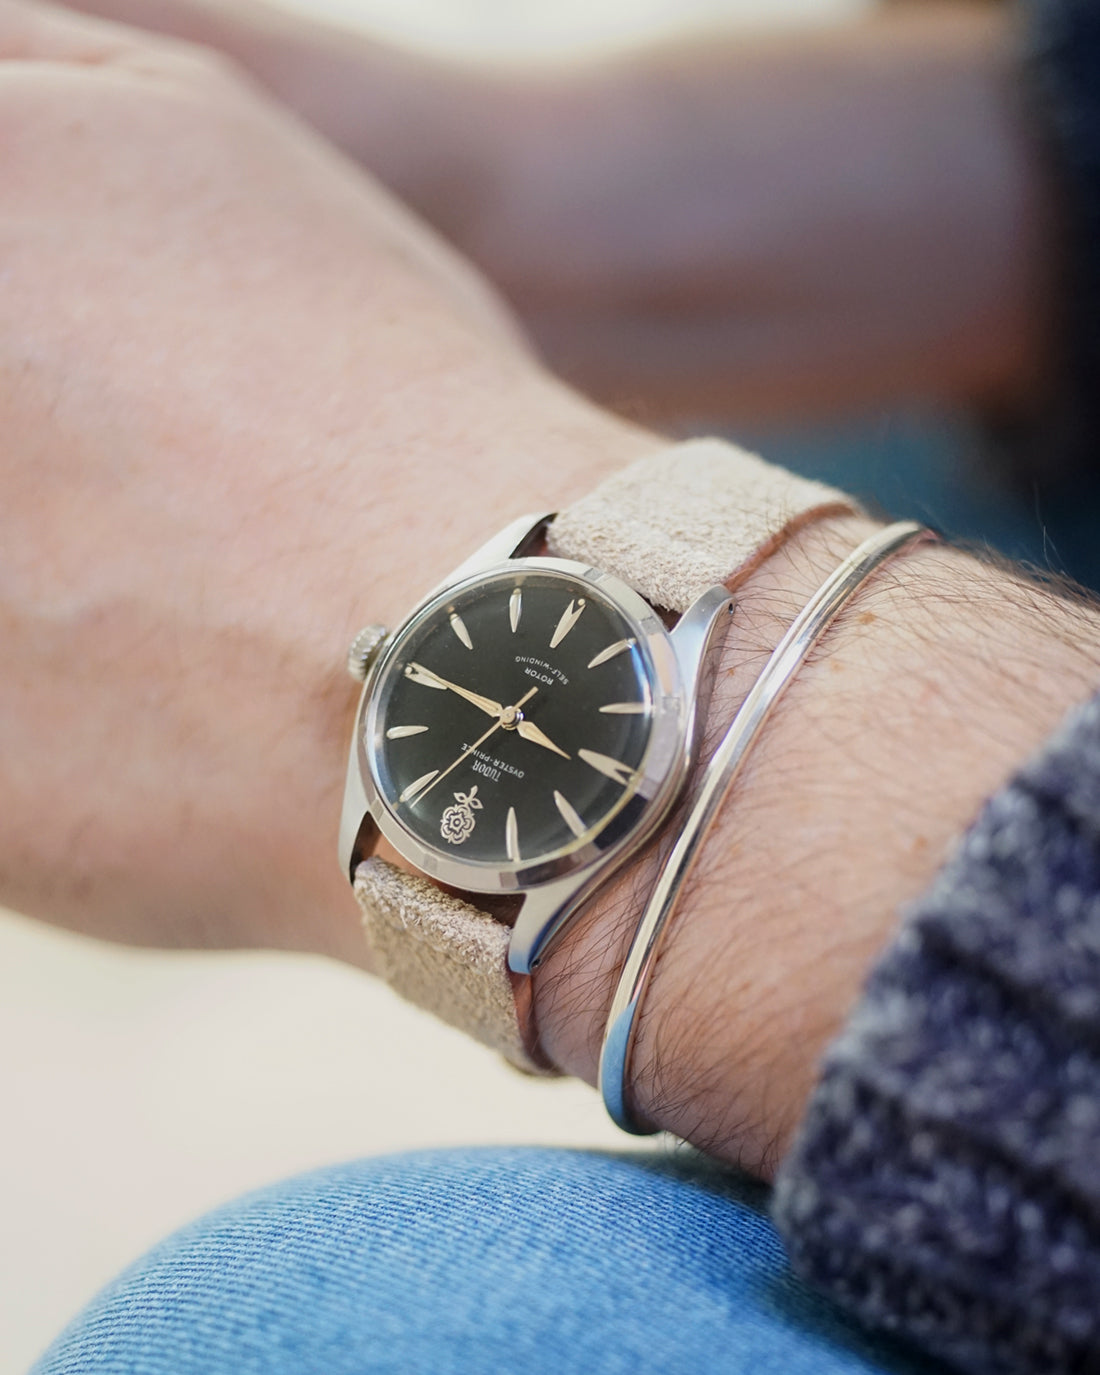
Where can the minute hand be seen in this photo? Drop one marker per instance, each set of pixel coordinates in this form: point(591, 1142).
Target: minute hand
point(485, 704)
point(527, 730)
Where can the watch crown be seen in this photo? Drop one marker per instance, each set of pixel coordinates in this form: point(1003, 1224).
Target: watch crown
point(364, 650)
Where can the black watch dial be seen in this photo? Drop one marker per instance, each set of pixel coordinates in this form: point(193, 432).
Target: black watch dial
point(512, 719)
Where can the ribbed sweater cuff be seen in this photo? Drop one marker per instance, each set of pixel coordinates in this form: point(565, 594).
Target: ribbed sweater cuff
point(945, 1184)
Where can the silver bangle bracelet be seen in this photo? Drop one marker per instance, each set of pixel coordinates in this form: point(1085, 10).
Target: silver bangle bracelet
point(808, 627)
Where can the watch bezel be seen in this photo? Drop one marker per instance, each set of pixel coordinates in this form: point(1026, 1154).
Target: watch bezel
point(659, 774)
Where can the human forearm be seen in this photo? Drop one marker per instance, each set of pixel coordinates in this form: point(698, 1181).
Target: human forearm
point(943, 1181)
point(251, 405)
point(943, 676)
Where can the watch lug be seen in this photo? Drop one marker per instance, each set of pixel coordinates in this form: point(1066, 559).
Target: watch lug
point(513, 542)
point(354, 813)
point(544, 915)
point(697, 636)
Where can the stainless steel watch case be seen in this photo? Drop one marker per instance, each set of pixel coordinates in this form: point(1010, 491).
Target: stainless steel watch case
point(552, 890)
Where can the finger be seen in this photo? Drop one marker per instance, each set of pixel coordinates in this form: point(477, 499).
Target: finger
point(46, 33)
point(313, 66)
point(32, 31)
point(230, 25)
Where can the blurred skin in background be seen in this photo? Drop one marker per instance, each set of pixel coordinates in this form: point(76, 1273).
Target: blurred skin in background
point(734, 229)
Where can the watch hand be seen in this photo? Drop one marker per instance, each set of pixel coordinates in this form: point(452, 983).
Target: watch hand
point(529, 731)
point(476, 745)
point(418, 673)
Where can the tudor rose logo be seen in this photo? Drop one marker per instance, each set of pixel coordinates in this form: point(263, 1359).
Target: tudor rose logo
point(458, 822)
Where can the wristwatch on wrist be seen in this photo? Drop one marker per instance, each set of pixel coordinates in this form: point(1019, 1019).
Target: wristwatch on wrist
point(533, 721)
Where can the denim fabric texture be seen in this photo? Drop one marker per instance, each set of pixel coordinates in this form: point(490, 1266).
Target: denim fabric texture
point(493, 1260)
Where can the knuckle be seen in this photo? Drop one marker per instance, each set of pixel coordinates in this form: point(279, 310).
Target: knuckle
point(179, 61)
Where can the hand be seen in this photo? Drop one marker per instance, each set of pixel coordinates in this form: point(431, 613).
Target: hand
point(249, 406)
point(527, 730)
point(425, 675)
point(830, 218)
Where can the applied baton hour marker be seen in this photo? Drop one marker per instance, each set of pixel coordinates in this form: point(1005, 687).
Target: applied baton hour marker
point(458, 625)
point(417, 786)
point(569, 815)
point(624, 709)
point(611, 651)
point(511, 836)
point(610, 768)
point(515, 609)
point(403, 732)
point(569, 618)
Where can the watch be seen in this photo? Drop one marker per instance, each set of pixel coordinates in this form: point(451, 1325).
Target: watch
point(533, 721)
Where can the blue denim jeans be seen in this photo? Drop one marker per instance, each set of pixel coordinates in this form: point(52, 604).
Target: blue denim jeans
point(492, 1260)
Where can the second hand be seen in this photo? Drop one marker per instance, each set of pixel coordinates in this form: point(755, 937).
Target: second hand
point(414, 801)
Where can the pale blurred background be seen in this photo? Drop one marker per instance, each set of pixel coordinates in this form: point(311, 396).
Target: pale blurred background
point(140, 1089)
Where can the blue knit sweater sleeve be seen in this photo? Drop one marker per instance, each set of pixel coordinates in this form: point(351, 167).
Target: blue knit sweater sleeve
point(946, 1181)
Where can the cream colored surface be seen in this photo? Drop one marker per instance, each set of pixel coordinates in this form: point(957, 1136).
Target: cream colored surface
point(544, 28)
point(138, 1089)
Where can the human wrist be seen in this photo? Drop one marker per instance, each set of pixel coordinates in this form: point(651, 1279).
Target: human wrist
point(537, 444)
point(574, 985)
point(882, 752)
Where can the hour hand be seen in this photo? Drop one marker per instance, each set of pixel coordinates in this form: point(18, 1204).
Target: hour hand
point(527, 730)
point(419, 674)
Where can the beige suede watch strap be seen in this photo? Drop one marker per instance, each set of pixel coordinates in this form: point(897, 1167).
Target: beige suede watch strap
point(688, 517)
point(444, 955)
point(671, 525)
